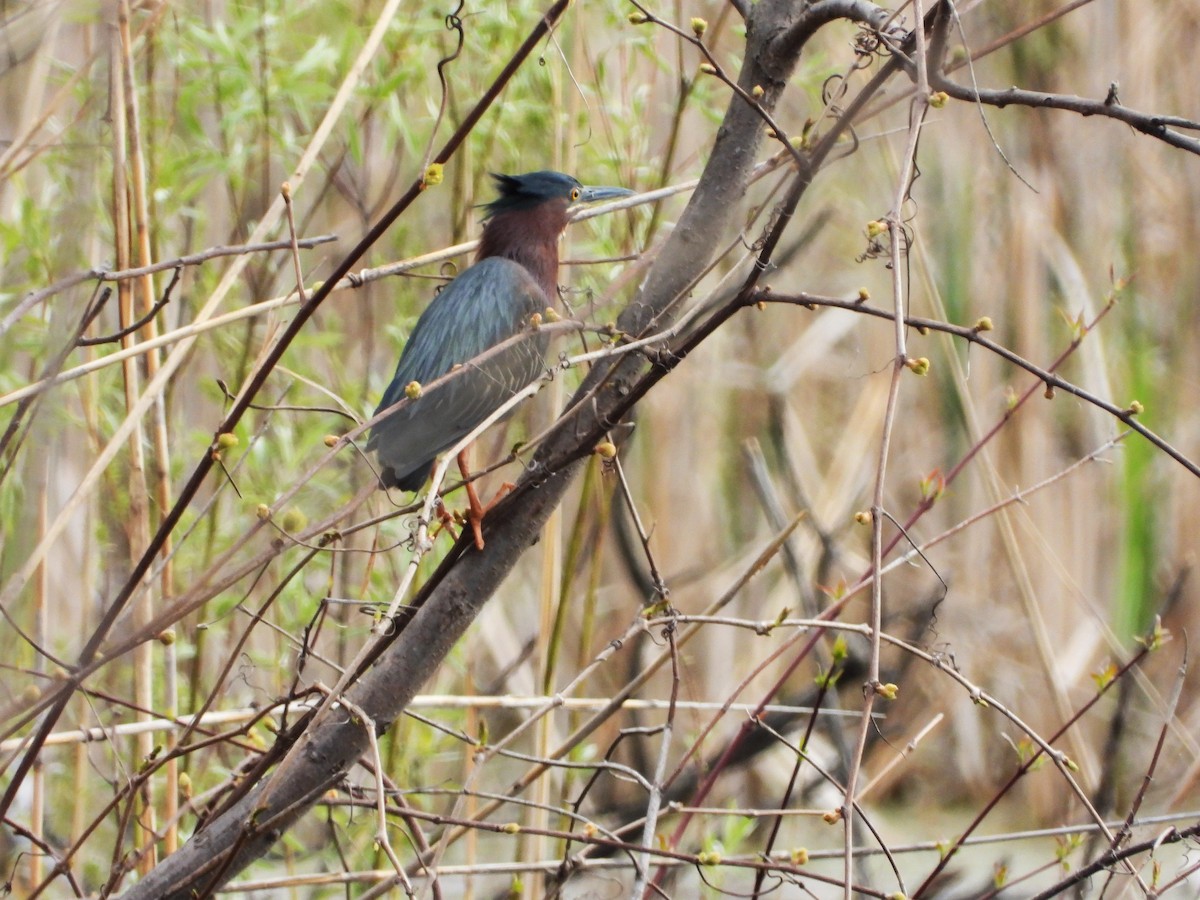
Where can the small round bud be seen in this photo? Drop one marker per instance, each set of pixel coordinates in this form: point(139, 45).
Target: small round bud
point(699, 26)
point(293, 520)
point(799, 856)
point(938, 99)
point(709, 858)
point(1049, 392)
point(708, 68)
point(226, 439)
point(919, 366)
point(1135, 408)
point(757, 92)
point(637, 18)
point(535, 321)
point(511, 828)
point(185, 785)
point(832, 817)
point(31, 693)
point(167, 637)
point(863, 517)
point(550, 314)
point(876, 228)
point(413, 390)
point(262, 511)
point(286, 190)
point(606, 450)
point(863, 295)
point(887, 691)
point(331, 440)
point(983, 323)
point(433, 176)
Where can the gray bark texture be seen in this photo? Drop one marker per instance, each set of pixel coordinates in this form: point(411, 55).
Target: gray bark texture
point(334, 740)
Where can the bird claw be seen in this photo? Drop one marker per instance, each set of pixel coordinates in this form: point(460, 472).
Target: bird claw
point(475, 509)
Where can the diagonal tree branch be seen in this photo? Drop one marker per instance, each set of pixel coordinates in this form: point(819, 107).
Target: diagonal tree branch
point(333, 741)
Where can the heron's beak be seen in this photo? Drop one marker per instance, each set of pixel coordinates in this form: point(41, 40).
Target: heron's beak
point(597, 194)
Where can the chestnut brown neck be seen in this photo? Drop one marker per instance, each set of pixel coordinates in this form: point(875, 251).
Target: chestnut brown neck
point(528, 237)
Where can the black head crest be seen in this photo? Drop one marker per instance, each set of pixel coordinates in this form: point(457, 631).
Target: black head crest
point(530, 190)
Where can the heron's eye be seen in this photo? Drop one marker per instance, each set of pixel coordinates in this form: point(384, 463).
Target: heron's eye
point(574, 194)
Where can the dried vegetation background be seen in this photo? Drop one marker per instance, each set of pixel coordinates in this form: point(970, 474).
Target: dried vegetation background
point(145, 135)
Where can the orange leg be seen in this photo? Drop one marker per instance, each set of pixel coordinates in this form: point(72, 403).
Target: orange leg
point(476, 510)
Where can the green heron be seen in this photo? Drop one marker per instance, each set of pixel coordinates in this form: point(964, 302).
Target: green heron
point(514, 276)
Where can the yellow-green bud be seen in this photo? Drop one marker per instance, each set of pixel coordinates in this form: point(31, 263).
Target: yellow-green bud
point(983, 323)
point(832, 817)
point(413, 390)
point(262, 511)
point(709, 858)
point(606, 450)
point(887, 691)
point(863, 517)
point(863, 295)
point(938, 99)
point(800, 856)
point(166, 637)
point(433, 176)
point(919, 366)
point(1135, 408)
point(293, 520)
point(226, 439)
point(699, 26)
point(708, 68)
point(511, 828)
point(331, 440)
point(757, 92)
point(637, 18)
point(551, 314)
point(876, 228)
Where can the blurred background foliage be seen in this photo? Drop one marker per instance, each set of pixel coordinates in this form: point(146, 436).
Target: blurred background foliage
point(1032, 218)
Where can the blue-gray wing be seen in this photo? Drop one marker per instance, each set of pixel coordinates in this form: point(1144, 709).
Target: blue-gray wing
point(486, 305)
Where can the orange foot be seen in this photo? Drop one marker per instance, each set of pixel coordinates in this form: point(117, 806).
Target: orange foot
point(476, 510)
